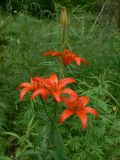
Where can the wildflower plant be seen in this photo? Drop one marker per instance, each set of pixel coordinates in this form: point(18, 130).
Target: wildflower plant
point(54, 90)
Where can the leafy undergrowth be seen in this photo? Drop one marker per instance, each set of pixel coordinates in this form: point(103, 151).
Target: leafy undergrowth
point(24, 128)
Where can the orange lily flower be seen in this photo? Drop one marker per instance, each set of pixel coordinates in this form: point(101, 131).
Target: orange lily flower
point(55, 87)
point(77, 105)
point(67, 57)
point(32, 86)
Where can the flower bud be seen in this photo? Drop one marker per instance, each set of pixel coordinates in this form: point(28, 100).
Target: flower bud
point(63, 18)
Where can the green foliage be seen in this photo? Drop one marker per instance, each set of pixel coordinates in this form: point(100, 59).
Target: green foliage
point(24, 127)
point(58, 144)
point(32, 7)
point(39, 8)
point(96, 142)
point(91, 5)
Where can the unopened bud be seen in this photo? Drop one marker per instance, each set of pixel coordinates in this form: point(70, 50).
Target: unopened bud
point(63, 18)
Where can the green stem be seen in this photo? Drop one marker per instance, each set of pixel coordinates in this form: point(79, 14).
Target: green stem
point(61, 69)
point(63, 47)
point(47, 114)
point(51, 128)
point(46, 110)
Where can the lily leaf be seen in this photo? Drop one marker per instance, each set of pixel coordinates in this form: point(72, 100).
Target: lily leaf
point(59, 144)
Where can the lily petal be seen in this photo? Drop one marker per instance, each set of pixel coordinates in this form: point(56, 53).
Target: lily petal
point(65, 81)
point(39, 79)
point(83, 117)
point(69, 91)
point(56, 95)
point(23, 92)
point(65, 115)
point(65, 100)
point(71, 102)
point(92, 111)
point(83, 101)
point(24, 84)
point(84, 60)
point(53, 79)
point(53, 53)
point(77, 60)
point(42, 91)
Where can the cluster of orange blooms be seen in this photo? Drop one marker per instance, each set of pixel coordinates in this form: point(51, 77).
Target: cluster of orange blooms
point(41, 86)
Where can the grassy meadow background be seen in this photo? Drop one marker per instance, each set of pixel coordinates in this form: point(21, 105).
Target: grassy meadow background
point(23, 125)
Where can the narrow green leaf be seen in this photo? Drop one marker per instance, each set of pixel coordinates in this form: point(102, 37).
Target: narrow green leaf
point(59, 144)
point(5, 158)
point(12, 134)
point(29, 153)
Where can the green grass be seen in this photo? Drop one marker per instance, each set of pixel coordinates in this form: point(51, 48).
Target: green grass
point(23, 39)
